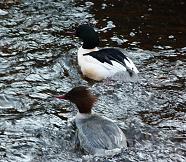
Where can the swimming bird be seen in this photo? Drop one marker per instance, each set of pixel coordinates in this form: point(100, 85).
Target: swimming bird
point(96, 134)
point(100, 64)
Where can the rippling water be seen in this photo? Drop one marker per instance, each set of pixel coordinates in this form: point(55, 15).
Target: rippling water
point(38, 60)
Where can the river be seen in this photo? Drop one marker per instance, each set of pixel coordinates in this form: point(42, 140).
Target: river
point(38, 60)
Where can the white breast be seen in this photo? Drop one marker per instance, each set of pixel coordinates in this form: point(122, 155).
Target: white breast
point(91, 67)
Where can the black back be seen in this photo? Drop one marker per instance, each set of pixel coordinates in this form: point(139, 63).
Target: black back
point(108, 54)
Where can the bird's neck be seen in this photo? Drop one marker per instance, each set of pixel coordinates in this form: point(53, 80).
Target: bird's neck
point(84, 115)
point(82, 50)
point(84, 107)
point(89, 44)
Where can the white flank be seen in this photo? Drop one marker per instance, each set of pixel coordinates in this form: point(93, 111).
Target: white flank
point(96, 70)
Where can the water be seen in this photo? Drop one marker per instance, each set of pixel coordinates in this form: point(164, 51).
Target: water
point(38, 60)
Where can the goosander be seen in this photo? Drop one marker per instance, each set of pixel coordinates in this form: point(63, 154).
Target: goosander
point(100, 64)
point(95, 134)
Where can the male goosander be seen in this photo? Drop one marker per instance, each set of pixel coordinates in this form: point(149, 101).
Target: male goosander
point(104, 63)
point(96, 134)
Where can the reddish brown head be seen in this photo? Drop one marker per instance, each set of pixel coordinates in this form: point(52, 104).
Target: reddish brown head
point(82, 97)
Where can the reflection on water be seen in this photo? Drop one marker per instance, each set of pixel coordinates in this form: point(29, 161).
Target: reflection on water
point(145, 24)
point(38, 60)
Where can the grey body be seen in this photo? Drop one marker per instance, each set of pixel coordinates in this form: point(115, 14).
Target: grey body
point(98, 134)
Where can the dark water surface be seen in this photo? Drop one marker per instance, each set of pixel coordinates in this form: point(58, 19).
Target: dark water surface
point(38, 60)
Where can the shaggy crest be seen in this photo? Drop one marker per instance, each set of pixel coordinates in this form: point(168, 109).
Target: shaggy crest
point(82, 97)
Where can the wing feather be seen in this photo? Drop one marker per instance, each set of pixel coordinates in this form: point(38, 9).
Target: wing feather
point(100, 133)
point(112, 58)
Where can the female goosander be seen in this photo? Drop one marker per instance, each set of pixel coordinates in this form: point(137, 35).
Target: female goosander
point(95, 134)
point(104, 63)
